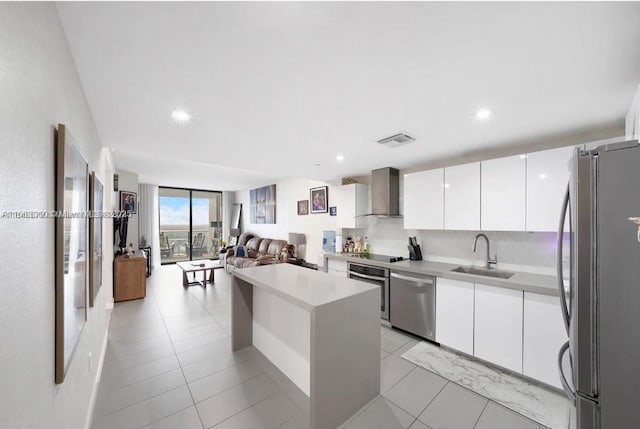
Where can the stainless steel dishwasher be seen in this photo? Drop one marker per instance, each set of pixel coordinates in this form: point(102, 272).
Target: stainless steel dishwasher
point(413, 303)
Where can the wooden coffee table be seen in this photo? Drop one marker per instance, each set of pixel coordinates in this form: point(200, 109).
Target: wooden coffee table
point(203, 265)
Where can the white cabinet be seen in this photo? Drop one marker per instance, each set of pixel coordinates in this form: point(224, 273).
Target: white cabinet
point(544, 334)
point(503, 194)
point(454, 314)
point(337, 267)
point(350, 201)
point(462, 197)
point(547, 178)
point(424, 200)
point(498, 326)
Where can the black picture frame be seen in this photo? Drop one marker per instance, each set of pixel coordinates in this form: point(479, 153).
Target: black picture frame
point(319, 199)
point(333, 211)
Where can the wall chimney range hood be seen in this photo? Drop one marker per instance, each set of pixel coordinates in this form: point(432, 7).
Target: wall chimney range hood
point(385, 192)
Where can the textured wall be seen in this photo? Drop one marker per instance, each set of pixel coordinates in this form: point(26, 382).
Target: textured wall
point(40, 88)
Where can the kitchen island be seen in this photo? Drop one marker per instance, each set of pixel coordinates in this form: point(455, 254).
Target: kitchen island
point(323, 332)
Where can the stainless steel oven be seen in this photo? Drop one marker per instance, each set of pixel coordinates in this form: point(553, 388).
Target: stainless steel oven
point(377, 276)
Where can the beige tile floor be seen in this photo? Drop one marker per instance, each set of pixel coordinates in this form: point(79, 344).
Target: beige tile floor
point(169, 365)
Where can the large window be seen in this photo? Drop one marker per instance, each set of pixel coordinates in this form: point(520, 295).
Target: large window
point(190, 224)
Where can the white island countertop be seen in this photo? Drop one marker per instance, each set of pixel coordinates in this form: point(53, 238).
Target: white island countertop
point(300, 286)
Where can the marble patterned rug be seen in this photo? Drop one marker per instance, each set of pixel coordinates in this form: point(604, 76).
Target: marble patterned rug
point(545, 406)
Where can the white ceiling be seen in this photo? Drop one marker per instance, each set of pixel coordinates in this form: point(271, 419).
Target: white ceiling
point(276, 87)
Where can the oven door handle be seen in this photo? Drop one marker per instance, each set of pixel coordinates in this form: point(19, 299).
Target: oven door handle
point(412, 279)
point(364, 276)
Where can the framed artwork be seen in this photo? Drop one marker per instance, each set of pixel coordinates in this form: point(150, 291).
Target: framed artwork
point(96, 198)
point(303, 207)
point(319, 199)
point(333, 211)
point(70, 249)
point(263, 204)
point(129, 202)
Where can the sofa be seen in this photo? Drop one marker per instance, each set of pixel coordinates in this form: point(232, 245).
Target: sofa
point(256, 251)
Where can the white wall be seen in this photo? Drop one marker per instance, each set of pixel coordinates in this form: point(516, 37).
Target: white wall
point(128, 181)
point(40, 88)
point(288, 192)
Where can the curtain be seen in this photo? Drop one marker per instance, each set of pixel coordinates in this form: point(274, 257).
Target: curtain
point(149, 219)
point(227, 208)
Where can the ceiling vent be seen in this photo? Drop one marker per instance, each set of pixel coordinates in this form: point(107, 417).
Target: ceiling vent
point(397, 140)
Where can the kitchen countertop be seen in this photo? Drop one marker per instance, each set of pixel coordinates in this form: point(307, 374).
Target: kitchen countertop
point(305, 288)
point(528, 282)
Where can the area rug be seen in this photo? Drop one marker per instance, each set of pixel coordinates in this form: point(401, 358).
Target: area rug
point(545, 406)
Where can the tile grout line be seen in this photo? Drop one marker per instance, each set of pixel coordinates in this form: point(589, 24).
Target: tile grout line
point(481, 413)
point(164, 323)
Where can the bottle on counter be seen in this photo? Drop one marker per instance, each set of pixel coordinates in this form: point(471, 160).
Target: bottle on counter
point(366, 246)
point(357, 247)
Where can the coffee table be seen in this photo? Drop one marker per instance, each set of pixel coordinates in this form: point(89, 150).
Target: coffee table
point(203, 265)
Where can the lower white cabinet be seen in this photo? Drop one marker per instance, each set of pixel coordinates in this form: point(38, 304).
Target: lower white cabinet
point(544, 334)
point(498, 326)
point(337, 268)
point(454, 314)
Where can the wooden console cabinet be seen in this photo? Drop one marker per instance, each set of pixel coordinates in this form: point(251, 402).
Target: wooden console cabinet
point(129, 277)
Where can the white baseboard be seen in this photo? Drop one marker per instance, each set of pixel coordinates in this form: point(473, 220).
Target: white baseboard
point(96, 383)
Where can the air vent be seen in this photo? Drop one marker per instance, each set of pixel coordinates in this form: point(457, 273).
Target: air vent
point(396, 140)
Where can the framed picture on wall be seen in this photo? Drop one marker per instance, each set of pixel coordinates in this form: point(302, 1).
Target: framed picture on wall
point(303, 207)
point(263, 205)
point(319, 199)
point(71, 177)
point(129, 202)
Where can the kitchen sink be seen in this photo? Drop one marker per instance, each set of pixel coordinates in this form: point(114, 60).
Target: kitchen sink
point(484, 272)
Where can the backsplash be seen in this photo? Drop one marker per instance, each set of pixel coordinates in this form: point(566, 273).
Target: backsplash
point(518, 251)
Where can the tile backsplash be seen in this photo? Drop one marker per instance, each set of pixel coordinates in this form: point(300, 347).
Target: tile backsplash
point(519, 251)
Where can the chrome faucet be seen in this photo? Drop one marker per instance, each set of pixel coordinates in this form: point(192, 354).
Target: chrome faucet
point(489, 260)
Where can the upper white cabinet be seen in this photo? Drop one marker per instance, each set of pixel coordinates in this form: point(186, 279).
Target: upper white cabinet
point(424, 200)
point(503, 194)
point(544, 334)
point(547, 178)
point(462, 197)
point(454, 314)
point(498, 326)
point(350, 201)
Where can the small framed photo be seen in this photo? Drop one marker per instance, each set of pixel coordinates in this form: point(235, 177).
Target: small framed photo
point(129, 202)
point(303, 207)
point(319, 199)
point(333, 211)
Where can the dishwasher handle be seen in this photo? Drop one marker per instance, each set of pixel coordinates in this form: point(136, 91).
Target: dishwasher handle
point(421, 280)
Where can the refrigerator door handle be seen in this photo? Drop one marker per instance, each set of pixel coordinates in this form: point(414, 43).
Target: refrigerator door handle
point(563, 380)
point(560, 273)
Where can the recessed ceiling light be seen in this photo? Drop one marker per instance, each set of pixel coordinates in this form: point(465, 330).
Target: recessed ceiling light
point(483, 114)
point(340, 158)
point(180, 116)
point(523, 156)
point(542, 176)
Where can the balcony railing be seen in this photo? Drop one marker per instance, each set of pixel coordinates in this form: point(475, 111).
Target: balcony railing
point(178, 241)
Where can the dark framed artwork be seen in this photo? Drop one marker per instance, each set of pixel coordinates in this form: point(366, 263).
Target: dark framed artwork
point(96, 206)
point(263, 204)
point(333, 211)
point(319, 199)
point(71, 249)
point(303, 207)
point(129, 202)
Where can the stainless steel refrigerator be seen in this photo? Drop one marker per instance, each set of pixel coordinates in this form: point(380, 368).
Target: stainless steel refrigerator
point(601, 307)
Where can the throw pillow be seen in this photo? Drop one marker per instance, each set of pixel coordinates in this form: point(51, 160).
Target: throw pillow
point(240, 252)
